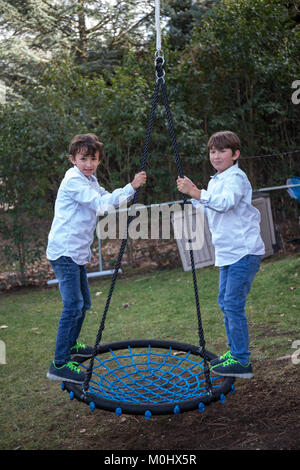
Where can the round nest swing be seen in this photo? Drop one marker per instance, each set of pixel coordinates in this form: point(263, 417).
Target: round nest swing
point(150, 377)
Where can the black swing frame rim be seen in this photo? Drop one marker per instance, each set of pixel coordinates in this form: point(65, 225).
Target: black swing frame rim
point(155, 409)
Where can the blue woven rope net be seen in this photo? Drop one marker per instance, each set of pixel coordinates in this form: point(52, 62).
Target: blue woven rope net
point(149, 376)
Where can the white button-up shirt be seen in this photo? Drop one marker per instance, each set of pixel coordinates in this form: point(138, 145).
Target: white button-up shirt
point(79, 201)
point(233, 221)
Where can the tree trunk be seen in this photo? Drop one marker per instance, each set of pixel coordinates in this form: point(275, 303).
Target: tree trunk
point(81, 53)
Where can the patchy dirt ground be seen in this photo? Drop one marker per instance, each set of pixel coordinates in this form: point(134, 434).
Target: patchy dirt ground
point(263, 414)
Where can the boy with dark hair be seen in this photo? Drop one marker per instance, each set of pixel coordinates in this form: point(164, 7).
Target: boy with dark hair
point(79, 200)
point(235, 227)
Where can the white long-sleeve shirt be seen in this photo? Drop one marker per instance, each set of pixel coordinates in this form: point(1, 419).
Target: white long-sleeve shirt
point(233, 221)
point(79, 201)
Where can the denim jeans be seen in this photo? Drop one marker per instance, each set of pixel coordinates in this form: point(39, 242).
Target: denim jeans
point(75, 293)
point(234, 286)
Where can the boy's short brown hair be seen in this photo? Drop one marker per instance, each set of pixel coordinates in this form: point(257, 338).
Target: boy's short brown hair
point(88, 144)
point(224, 140)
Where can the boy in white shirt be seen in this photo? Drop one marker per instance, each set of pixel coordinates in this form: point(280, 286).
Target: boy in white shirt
point(235, 227)
point(79, 200)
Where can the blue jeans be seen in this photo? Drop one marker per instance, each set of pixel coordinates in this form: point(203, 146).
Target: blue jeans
point(234, 286)
point(75, 293)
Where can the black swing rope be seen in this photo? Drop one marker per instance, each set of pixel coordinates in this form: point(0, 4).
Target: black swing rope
point(160, 84)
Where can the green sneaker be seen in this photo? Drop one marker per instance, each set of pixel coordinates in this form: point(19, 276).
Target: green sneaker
point(220, 359)
point(81, 351)
point(68, 372)
point(233, 368)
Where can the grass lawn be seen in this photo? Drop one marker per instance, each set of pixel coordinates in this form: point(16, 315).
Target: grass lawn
point(35, 414)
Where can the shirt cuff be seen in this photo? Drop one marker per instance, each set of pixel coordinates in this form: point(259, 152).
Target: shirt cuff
point(129, 189)
point(195, 202)
point(204, 197)
point(203, 200)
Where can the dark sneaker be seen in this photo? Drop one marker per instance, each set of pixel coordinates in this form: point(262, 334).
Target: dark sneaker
point(69, 372)
point(219, 360)
point(233, 368)
point(81, 351)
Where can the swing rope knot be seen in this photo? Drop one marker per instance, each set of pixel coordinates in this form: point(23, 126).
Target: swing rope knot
point(160, 73)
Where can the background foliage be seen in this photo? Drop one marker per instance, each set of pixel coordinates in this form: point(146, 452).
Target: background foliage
point(75, 66)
